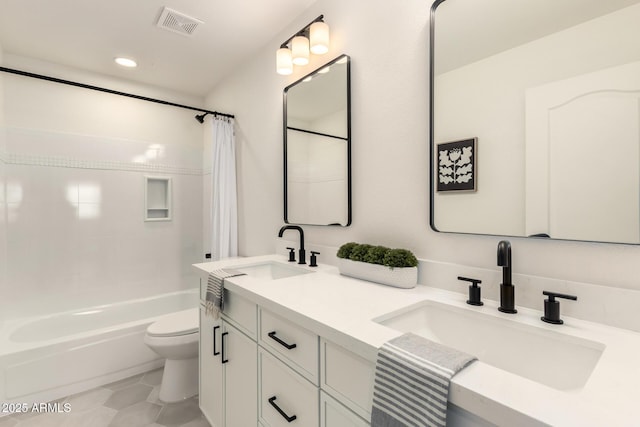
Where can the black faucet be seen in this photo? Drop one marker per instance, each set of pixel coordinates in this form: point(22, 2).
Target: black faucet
point(507, 290)
point(301, 252)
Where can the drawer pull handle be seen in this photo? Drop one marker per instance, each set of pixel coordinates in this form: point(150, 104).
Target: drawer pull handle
point(272, 401)
point(224, 357)
point(273, 336)
point(215, 352)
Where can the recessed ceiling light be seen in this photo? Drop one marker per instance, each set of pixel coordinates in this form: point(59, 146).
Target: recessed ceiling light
point(126, 62)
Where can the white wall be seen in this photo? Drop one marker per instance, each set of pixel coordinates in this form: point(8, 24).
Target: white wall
point(76, 161)
point(388, 44)
point(387, 60)
point(3, 221)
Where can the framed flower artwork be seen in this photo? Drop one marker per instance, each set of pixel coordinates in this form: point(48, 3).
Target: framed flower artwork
point(457, 165)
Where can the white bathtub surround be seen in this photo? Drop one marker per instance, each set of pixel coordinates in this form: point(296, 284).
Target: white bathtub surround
point(224, 209)
point(93, 239)
point(74, 167)
point(497, 395)
point(48, 357)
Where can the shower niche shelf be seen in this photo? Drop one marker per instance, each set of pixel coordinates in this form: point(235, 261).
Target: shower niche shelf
point(157, 198)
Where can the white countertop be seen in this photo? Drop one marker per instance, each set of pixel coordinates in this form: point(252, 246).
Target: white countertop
point(342, 309)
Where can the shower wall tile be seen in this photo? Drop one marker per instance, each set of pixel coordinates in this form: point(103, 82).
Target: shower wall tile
point(72, 170)
point(75, 233)
point(45, 147)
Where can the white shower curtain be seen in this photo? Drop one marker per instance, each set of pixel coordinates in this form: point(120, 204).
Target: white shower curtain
point(224, 218)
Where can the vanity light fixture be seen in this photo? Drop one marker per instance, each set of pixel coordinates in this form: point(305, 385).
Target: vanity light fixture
point(319, 38)
point(284, 61)
point(295, 50)
point(126, 62)
point(300, 50)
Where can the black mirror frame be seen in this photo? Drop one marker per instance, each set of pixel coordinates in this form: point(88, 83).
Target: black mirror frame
point(347, 139)
point(432, 179)
point(432, 157)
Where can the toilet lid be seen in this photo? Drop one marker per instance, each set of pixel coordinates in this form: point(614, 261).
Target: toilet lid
point(180, 323)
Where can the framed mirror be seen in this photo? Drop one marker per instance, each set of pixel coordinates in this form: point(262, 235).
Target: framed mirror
point(317, 146)
point(535, 118)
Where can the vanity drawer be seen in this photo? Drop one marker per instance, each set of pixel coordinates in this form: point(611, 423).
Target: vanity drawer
point(284, 393)
point(241, 312)
point(347, 377)
point(297, 346)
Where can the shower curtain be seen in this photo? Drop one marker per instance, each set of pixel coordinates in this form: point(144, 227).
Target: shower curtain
point(224, 218)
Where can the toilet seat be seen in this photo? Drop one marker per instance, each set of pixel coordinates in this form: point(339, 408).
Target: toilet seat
point(183, 322)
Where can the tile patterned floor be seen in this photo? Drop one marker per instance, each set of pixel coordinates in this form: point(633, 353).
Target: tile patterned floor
point(132, 402)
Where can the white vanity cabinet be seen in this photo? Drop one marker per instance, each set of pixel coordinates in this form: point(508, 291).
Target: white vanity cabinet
point(288, 368)
point(228, 365)
point(311, 379)
point(211, 376)
point(258, 368)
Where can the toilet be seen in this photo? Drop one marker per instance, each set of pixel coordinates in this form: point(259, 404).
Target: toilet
point(175, 337)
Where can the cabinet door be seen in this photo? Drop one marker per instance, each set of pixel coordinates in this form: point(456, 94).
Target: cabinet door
point(347, 377)
point(211, 385)
point(239, 358)
point(333, 414)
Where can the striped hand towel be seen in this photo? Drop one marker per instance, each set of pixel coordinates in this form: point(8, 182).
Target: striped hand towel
point(214, 298)
point(411, 386)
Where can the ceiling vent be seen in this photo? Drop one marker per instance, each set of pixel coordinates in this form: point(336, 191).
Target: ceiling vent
point(178, 22)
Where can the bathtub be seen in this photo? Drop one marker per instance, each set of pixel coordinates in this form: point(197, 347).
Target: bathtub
point(49, 357)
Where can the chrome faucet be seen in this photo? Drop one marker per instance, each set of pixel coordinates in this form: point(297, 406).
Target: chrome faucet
point(301, 252)
point(507, 290)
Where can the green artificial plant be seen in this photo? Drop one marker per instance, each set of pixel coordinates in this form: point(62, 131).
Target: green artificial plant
point(377, 255)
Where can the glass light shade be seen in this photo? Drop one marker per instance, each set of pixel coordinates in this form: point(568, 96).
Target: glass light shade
point(319, 38)
point(300, 50)
point(284, 64)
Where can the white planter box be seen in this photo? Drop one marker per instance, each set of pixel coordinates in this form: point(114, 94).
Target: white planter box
point(400, 277)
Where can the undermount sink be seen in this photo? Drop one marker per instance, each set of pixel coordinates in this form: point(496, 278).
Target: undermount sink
point(557, 360)
point(271, 270)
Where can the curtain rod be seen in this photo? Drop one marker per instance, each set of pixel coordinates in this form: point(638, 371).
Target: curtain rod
point(114, 92)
